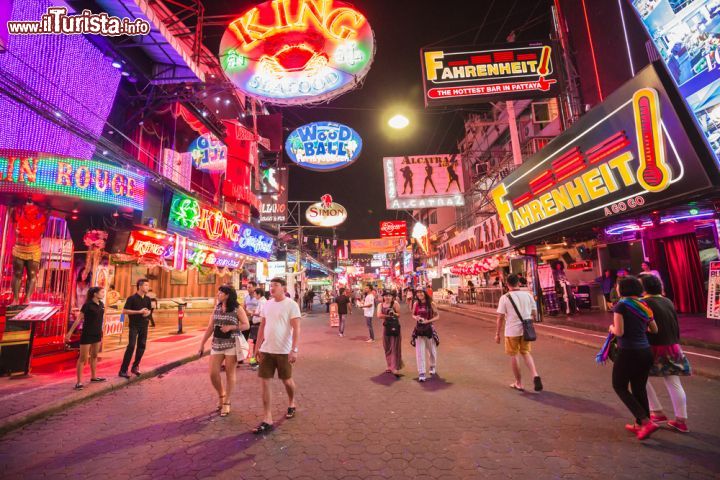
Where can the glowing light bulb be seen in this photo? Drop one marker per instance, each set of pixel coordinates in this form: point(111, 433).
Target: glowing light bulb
point(399, 121)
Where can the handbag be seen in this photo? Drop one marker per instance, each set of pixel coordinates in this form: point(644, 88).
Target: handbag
point(242, 347)
point(529, 334)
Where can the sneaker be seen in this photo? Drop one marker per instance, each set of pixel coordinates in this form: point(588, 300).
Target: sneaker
point(340, 335)
point(369, 340)
point(252, 361)
point(538, 384)
point(421, 377)
point(647, 430)
point(433, 371)
point(679, 426)
point(658, 418)
point(633, 428)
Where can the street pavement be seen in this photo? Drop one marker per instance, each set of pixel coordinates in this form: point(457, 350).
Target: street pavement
point(354, 421)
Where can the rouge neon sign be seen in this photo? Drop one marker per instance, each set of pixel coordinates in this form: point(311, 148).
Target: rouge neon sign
point(292, 52)
point(33, 173)
point(323, 146)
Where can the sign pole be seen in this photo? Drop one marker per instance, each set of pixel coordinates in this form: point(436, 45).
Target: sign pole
point(514, 136)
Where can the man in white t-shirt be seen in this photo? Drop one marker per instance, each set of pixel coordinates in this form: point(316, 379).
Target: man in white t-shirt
point(514, 342)
point(255, 319)
point(278, 340)
point(368, 306)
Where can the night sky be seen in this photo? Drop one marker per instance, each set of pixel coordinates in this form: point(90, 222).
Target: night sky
point(394, 84)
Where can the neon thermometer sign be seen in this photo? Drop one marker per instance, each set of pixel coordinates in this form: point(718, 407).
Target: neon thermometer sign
point(292, 52)
point(323, 146)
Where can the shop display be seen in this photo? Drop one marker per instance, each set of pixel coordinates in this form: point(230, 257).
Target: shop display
point(30, 223)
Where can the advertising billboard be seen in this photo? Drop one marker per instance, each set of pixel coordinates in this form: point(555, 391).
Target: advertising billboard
point(295, 52)
point(424, 181)
point(374, 245)
point(462, 75)
point(273, 196)
point(484, 238)
point(637, 150)
point(326, 213)
point(393, 228)
point(208, 153)
point(323, 146)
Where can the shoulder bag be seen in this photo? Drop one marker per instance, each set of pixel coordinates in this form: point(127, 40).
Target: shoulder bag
point(242, 347)
point(529, 334)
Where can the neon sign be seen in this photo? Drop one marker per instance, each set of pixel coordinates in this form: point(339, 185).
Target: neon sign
point(627, 154)
point(326, 213)
point(292, 52)
point(150, 245)
point(32, 173)
point(393, 228)
point(191, 218)
point(323, 146)
point(209, 153)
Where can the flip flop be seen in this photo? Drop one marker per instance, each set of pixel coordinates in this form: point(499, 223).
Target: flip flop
point(263, 428)
point(514, 386)
point(290, 412)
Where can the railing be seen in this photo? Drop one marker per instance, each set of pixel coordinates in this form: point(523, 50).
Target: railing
point(487, 297)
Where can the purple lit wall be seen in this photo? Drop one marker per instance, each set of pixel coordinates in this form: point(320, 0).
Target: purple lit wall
point(68, 73)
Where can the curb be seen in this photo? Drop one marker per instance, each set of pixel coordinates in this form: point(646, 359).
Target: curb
point(487, 317)
point(21, 419)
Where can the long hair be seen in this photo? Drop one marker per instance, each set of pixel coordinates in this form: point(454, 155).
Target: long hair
point(231, 304)
point(91, 293)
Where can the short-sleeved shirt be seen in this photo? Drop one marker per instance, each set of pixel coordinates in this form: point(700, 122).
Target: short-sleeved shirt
point(251, 302)
point(93, 314)
point(136, 302)
point(525, 304)
point(635, 329)
point(369, 300)
point(256, 318)
point(665, 316)
point(342, 303)
point(278, 330)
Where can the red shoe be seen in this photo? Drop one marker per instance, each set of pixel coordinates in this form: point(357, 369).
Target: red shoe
point(658, 418)
point(647, 430)
point(633, 428)
point(679, 426)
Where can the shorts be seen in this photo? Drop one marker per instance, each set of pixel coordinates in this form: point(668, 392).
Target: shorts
point(269, 362)
point(89, 339)
point(254, 329)
point(515, 345)
point(228, 352)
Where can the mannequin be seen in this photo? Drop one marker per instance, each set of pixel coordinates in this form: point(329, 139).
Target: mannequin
point(30, 223)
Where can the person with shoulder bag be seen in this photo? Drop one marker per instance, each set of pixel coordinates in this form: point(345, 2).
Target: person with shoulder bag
point(517, 311)
point(389, 312)
point(424, 337)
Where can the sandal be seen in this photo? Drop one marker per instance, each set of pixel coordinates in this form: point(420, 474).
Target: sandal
point(263, 428)
point(220, 402)
point(519, 389)
point(290, 412)
point(223, 411)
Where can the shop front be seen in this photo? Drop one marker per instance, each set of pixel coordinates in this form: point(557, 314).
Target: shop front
point(53, 213)
point(630, 183)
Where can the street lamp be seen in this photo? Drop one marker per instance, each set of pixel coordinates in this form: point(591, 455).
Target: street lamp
point(399, 121)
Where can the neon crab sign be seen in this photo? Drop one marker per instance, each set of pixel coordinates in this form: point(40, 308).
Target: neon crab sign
point(293, 52)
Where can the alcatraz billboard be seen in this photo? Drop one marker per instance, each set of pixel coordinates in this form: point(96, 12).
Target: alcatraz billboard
point(634, 151)
point(461, 75)
point(424, 181)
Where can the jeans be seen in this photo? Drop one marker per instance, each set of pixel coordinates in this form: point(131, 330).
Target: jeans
point(368, 320)
point(632, 367)
point(423, 344)
point(138, 334)
point(341, 326)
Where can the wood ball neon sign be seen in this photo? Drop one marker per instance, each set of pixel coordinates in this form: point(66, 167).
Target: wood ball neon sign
point(293, 52)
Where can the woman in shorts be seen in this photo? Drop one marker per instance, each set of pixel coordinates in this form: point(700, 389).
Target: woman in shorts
point(91, 315)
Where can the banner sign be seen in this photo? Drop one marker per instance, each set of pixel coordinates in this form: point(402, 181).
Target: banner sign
point(374, 245)
point(209, 154)
point(713, 305)
point(295, 52)
point(460, 75)
point(628, 154)
point(323, 146)
point(685, 33)
point(24, 173)
point(113, 323)
point(274, 196)
point(426, 181)
point(393, 228)
point(197, 220)
point(326, 213)
point(484, 238)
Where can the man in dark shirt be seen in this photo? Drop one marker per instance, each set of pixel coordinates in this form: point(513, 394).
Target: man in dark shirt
point(343, 303)
point(138, 308)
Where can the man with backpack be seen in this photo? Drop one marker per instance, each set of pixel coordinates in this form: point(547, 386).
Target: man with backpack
point(514, 307)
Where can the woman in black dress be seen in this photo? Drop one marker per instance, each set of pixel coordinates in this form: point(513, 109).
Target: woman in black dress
point(91, 315)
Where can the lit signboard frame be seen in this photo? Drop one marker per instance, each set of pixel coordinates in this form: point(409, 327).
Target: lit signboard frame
point(23, 173)
point(196, 220)
point(471, 74)
point(411, 172)
point(595, 171)
point(293, 52)
point(393, 228)
point(326, 213)
point(323, 146)
point(208, 153)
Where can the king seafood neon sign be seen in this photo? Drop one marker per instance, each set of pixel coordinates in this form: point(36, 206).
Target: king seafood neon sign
point(323, 146)
point(292, 52)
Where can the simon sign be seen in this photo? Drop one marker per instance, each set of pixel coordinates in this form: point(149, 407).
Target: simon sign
point(294, 52)
point(326, 213)
point(323, 146)
point(633, 152)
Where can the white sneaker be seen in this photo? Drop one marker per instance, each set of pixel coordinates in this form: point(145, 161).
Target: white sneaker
point(369, 340)
point(340, 335)
point(432, 371)
point(421, 377)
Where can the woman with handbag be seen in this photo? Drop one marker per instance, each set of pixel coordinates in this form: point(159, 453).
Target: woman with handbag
point(669, 361)
point(226, 324)
point(424, 337)
point(632, 319)
point(389, 312)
